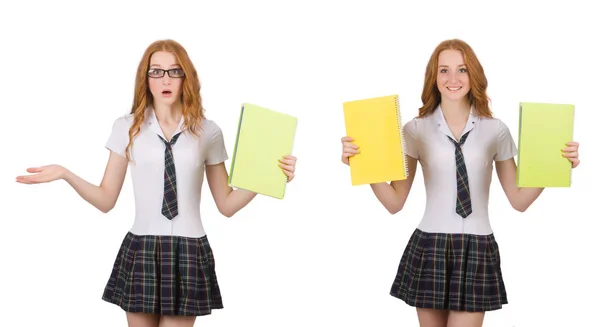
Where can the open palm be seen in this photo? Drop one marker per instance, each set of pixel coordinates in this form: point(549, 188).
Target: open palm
point(43, 174)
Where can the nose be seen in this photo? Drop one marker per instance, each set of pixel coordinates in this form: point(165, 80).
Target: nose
point(453, 77)
point(166, 80)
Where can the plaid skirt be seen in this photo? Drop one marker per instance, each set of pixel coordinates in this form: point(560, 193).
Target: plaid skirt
point(450, 271)
point(165, 275)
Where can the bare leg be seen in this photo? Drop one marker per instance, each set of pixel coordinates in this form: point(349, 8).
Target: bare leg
point(177, 321)
point(139, 319)
point(465, 319)
point(432, 317)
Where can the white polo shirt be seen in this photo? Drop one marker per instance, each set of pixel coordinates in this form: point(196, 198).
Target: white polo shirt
point(427, 141)
point(190, 154)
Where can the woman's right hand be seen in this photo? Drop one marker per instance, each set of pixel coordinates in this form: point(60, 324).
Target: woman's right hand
point(348, 149)
point(43, 174)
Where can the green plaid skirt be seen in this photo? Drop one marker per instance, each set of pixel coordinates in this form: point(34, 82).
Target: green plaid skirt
point(165, 275)
point(450, 271)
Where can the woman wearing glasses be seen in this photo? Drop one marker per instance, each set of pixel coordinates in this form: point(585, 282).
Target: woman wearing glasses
point(164, 273)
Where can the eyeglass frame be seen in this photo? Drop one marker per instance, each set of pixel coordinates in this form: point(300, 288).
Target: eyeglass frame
point(168, 71)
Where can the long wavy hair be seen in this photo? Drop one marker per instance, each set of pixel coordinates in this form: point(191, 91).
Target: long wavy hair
point(477, 96)
point(193, 112)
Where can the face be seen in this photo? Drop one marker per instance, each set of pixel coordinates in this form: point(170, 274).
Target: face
point(165, 78)
point(452, 77)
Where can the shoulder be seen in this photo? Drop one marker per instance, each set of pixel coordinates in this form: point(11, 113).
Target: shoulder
point(123, 121)
point(209, 126)
point(493, 125)
point(417, 123)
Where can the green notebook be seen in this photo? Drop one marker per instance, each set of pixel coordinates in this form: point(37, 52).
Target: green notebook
point(263, 137)
point(544, 130)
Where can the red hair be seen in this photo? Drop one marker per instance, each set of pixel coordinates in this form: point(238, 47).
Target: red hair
point(193, 112)
point(477, 96)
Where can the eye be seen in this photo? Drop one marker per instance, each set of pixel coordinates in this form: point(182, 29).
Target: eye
point(155, 72)
point(463, 70)
point(178, 72)
point(443, 70)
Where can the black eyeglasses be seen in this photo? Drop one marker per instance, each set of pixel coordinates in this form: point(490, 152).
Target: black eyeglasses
point(173, 73)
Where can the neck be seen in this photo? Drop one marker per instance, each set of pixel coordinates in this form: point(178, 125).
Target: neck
point(168, 113)
point(456, 109)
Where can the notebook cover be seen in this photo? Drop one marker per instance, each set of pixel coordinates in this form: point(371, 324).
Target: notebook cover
point(375, 124)
point(544, 130)
point(263, 137)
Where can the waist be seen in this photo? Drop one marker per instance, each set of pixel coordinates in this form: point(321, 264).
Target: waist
point(477, 223)
point(184, 224)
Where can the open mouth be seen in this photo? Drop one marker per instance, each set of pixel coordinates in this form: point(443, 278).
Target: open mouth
point(454, 89)
point(166, 93)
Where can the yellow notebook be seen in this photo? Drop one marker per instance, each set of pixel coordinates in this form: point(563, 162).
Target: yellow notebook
point(544, 130)
point(263, 137)
point(375, 124)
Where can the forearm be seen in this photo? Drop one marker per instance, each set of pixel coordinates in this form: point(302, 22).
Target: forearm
point(91, 193)
point(525, 197)
point(236, 200)
point(387, 195)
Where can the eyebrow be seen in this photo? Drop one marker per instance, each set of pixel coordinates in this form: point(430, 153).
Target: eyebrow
point(446, 66)
point(157, 65)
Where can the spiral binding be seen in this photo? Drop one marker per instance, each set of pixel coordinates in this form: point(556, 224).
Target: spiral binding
point(401, 131)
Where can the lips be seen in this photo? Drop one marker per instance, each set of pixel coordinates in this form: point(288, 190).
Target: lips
point(166, 92)
point(454, 89)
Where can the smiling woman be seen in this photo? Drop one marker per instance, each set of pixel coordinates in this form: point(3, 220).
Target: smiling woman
point(450, 270)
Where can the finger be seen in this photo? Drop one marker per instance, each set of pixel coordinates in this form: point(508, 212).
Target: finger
point(34, 169)
point(287, 161)
point(289, 175)
point(571, 155)
point(26, 180)
point(575, 144)
point(352, 151)
point(574, 162)
point(287, 167)
point(350, 145)
point(569, 149)
point(347, 139)
point(290, 157)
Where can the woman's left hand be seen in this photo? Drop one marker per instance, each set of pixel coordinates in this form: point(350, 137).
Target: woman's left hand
point(288, 164)
point(571, 152)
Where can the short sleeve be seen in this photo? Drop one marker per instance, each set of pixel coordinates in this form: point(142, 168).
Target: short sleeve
point(217, 152)
point(410, 139)
point(506, 147)
point(119, 138)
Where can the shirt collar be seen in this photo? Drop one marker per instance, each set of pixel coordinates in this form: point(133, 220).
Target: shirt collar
point(153, 124)
point(443, 126)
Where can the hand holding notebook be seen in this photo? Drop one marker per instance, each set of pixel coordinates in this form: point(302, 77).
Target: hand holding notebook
point(375, 126)
point(264, 138)
point(546, 150)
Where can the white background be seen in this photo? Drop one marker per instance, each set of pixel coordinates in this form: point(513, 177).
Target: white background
point(328, 253)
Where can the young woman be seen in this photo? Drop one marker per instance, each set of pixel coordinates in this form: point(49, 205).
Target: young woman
point(164, 273)
point(450, 270)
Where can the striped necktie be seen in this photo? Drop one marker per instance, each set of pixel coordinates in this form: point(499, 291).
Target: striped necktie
point(463, 197)
point(169, 203)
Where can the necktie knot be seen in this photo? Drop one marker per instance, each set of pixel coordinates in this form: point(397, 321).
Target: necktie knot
point(462, 140)
point(172, 141)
